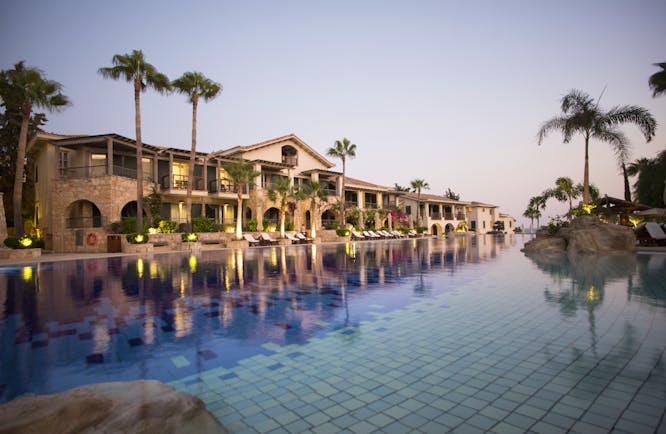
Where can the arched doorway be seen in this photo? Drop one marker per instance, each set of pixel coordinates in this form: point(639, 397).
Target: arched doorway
point(328, 219)
point(448, 228)
point(129, 210)
point(436, 230)
point(83, 214)
point(307, 219)
point(289, 155)
point(271, 219)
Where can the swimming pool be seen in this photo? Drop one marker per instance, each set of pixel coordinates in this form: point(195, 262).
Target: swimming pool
point(398, 336)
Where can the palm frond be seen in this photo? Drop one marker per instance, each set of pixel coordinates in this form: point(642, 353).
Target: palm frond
point(638, 116)
point(557, 123)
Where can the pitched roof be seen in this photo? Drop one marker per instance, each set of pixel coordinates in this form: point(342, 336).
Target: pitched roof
point(433, 198)
point(292, 137)
point(358, 183)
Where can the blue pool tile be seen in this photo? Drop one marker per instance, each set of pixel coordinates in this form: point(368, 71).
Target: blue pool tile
point(276, 366)
point(95, 358)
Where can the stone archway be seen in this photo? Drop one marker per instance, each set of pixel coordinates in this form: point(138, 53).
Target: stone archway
point(271, 219)
point(436, 229)
point(449, 228)
point(83, 214)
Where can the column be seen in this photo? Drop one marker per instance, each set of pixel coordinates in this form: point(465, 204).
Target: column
point(109, 156)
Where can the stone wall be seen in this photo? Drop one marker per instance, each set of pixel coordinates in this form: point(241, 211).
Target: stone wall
point(3, 220)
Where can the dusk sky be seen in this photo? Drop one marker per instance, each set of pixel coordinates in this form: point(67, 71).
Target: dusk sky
point(449, 91)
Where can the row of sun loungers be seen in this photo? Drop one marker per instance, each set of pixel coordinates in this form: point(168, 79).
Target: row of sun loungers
point(380, 235)
point(266, 240)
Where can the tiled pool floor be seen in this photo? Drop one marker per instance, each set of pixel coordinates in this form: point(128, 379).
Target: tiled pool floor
point(469, 360)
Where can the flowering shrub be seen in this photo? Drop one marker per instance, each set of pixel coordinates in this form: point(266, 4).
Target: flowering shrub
point(400, 218)
point(189, 237)
point(136, 238)
point(555, 224)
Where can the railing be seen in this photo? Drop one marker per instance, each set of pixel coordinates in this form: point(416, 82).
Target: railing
point(460, 216)
point(84, 222)
point(179, 182)
point(292, 160)
point(331, 192)
point(448, 216)
point(370, 205)
point(84, 172)
point(435, 216)
point(350, 203)
point(216, 186)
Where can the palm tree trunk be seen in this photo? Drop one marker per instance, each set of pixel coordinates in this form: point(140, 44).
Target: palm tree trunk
point(20, 170)
point(627, 188)
point(239, 214)
point(190, 171)
point(418, 208)
point(343, 217)
point(313, 231)
point(282, 218)
point(586, 173)
point(139, 156)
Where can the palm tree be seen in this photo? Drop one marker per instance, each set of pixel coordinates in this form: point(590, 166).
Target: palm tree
point(241, 173)
point(280, 193)
point(26, 88)
point(565, 190)
point(134, 69)
point(342, 150)
point(532, 213)
point(582, 115)
point(657, 81)
point(418, 185)
point(316, 193)
point(399, 187)
point(538, 203)
point(195, 85)
point(651, 178)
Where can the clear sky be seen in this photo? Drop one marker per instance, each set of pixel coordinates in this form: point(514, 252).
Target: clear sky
point(452, 92)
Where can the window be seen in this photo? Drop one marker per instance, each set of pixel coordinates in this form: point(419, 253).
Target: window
point(408, 210)
point(63, 162)
point(147, 168)
point(484, 224)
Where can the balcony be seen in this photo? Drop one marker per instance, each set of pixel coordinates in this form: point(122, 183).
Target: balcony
point(435, 216)
point(291, 160)
point(351, 203)
point(180, 182)
point(98, 171)
point(460, 216)
point(216, 186)
point(370, 205)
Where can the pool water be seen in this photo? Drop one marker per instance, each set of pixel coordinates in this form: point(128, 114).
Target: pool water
point(429, 335)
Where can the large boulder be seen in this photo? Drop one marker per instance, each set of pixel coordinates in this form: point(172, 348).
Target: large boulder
point(585, 234)
point(144, 407)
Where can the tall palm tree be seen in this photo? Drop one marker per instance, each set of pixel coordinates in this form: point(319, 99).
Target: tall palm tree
point(241, 174)
point(26, 88)
point(418, 185)
point(194, 85)
point(657, 81)
point(280, 193)
point(565, 190)
point(538, 203)
point(342, 150)
point(532, 213)
point(582, 115)
point(134, 69)
point(315, 193)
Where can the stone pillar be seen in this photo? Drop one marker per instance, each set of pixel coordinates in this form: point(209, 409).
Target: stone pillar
point(109, 156)
point(170, 171)
point(3, 221)
point(257, 180)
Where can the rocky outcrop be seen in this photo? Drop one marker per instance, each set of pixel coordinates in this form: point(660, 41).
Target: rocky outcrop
point(129, 407)
point(585, 234)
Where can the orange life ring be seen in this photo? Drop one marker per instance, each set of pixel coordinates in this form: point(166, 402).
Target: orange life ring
point(91, 239)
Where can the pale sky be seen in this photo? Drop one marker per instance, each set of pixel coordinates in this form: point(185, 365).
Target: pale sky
point(449, 91)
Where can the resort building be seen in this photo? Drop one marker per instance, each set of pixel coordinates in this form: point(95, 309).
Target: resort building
point(84, 183)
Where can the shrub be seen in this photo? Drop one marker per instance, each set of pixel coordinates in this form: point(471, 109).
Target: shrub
point(182, 227)
point(289, 226)
point(251, 225)
point(190, 237)
point(333, 225)
point(342, 232)
point(11, 242)
point(166, 227)
point(203, 224)
point(136, 238)
point(420, 229)
point(128, 225)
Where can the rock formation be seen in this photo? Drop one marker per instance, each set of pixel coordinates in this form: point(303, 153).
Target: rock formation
point(585, 234)
point(144, 407)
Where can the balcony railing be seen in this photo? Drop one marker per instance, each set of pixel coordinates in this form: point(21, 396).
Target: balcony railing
point(460, 216)
point(292, 160)
point(84, 222)
point(370, 205)
point(435, 216)
point(180, 182)
point(216, 186)
point(85, 172)
point(351, 203)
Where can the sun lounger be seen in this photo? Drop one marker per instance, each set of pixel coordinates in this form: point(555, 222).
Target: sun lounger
point(412, 233)
point(356, 236)
point(368, 235)
point(651, 234)
point(375, 234)
point(250, 239)
point(266, 240)
point(398, 234)
point(293, 239)
point(303, 238)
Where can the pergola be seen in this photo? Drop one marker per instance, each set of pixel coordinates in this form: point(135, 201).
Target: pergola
point(612, 206)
